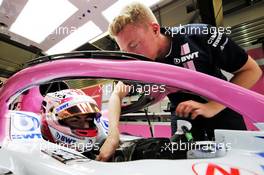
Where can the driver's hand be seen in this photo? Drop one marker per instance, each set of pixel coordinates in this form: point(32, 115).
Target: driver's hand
point(109, 147)
point(194, 109)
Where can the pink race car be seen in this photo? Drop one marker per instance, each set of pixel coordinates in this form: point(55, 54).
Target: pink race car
point(241, 152)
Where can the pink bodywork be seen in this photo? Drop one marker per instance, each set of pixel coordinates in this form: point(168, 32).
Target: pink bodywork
point(244, 101)
point(31, 102)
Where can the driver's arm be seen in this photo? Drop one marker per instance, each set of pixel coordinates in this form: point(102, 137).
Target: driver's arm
point(114, 111)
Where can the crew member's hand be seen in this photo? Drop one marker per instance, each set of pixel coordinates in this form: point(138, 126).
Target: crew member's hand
point(109, 147)
point(193, 109)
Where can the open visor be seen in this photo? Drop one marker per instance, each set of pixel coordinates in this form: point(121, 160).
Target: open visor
point(79, 109)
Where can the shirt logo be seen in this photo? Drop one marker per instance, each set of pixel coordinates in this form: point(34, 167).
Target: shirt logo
point(177, 61)
point(186, 58)
point(218, 39)
point(212, 38)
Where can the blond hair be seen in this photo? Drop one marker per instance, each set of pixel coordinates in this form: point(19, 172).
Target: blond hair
point(134, 13)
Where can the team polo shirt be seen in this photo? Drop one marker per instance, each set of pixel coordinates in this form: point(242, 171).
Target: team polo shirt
point(202, 48)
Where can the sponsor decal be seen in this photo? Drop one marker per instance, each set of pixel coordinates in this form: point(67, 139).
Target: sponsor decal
point(65, 157)
point(105, 125)
point(64, 139)
point(25, 126)
point(261, 154)
point(177, 61)
point(211, 39)
point(186, 54)
point(262, 166)
point(27, 136)
point(62, 107)
point(186, 58)
point(77, 100)
point(25, 122)
point(219, 169)
point(218, 39)
point(261, 137)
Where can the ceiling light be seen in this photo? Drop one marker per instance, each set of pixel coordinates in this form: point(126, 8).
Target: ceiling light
point(39, 18)
point(111, 12)
point(79, 37)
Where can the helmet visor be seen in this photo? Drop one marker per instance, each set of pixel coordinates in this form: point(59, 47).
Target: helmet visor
point(79, 109)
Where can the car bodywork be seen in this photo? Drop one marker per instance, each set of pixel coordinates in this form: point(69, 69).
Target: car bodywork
point(33, 157)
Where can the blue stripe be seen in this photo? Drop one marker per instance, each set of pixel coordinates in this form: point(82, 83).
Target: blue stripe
point(104, 124)
point(261, 137)
point(261, 154)
point(262, 166)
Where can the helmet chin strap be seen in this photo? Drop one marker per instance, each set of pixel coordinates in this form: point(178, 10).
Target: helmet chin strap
point(85, 132)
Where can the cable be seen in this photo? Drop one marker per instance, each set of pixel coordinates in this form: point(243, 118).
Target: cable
point(149, 123)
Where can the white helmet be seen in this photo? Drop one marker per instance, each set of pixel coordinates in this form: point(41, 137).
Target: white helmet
point(68, 118)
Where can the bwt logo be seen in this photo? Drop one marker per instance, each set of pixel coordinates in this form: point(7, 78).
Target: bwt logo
point(27, 136)
point(186, 58)
point(62, 107)
point(64, 138)
point(25, 122)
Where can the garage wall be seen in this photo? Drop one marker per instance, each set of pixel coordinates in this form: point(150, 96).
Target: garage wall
point(174, 14)
point(244, 15)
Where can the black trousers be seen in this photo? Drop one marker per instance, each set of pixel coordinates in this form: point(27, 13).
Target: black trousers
point(203, 128)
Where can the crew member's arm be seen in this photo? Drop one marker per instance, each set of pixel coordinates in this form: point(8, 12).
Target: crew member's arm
point(246, 77)
point(114, 110)
point(226, 55)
